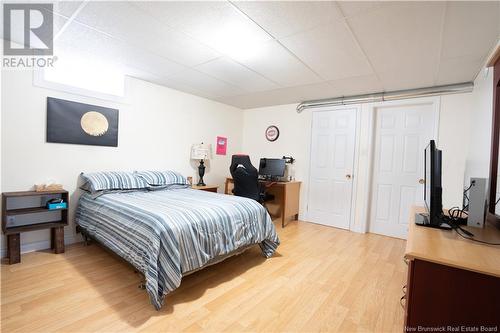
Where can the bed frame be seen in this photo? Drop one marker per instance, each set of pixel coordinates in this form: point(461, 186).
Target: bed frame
point(87, 240)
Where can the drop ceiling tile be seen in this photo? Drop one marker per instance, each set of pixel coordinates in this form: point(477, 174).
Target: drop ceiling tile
point(407, 77)
point(165, 82)
point(457, 70)
point(82, 40)
point(179, 86)
point(181, 13)
point(353, 8)
point(260, 99)
point(229, 71)
point(285, 18)
point(330, 51)
point(132, 25)
point(316, 91)
point(63, 10)
point(204, 83)
point(77, 38)
point(218, 25)
point(281, 96)
point(405, 33)
point(120, 20)
point(279, 65)
point(142, 75)
point(471, 28)
point(59, 23)
point(182, 49)
point(151, 62)
point(356, 85)
point(66, 8)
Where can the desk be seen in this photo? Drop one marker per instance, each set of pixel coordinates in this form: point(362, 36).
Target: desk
point(451, 281)
point(286, 198)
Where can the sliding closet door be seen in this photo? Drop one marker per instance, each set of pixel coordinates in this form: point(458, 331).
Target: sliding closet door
point(402, 132)
point(332, 165)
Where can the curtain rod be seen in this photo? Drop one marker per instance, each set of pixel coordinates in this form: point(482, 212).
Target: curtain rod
point(389, 96)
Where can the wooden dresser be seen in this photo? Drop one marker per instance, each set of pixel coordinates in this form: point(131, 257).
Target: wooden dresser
point(452, 282)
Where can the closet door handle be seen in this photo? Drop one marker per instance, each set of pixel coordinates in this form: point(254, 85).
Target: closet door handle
point(348, 177)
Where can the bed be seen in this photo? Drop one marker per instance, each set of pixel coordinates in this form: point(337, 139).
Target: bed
point(166, 234)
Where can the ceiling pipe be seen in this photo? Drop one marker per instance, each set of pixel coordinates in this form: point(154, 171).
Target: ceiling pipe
point(389, 96)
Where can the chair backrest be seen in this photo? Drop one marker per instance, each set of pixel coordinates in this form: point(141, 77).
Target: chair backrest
point(245, 176)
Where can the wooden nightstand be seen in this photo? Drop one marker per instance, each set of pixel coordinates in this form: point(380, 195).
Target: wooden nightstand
point(208, 188)
point(25, 206)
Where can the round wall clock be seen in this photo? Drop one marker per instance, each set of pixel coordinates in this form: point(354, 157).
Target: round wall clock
point(272, 133)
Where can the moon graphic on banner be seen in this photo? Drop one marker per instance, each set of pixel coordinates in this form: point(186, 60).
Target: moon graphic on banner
point(94, 123)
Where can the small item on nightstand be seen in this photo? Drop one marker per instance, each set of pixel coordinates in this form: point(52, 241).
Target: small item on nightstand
point(48, 187)
point(56, 203)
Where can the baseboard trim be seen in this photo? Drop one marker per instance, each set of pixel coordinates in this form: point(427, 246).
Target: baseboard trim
point(41, 245)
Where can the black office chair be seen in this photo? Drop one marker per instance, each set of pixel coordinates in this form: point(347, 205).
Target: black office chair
point(246, 180)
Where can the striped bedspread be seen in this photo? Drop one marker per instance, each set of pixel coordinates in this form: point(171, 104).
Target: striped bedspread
point(166, 233)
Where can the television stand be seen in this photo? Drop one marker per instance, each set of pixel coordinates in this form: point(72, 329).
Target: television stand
point(451, 282)
point(422, 219)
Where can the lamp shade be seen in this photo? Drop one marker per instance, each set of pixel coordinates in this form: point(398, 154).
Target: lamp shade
point(201, 151)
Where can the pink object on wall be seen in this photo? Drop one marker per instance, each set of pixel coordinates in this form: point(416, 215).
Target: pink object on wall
point(221, 145)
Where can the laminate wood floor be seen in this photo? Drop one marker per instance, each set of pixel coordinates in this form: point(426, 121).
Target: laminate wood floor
point(321, 279)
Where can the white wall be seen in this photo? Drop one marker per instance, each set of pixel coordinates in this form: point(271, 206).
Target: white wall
point(458, 129)
point(157, 126)
point(453, 140)
point(294, 139)
point(479, 136)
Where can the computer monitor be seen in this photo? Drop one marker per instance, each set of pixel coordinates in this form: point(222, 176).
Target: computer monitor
point(433, 190)
point(272, 168)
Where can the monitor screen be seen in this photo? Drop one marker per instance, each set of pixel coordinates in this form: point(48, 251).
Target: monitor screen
point(427, 177)
point(272, 167)
point(432, 181)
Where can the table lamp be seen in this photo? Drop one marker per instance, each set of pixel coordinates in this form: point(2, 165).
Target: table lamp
point(201, 152)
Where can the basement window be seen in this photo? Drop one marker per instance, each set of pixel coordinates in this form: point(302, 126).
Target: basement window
point(83, 77)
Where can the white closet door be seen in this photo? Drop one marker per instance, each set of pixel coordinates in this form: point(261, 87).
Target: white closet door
point(402, 133)
point(332, 164)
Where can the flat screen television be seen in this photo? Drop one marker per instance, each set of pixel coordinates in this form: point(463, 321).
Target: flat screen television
point(433, 190)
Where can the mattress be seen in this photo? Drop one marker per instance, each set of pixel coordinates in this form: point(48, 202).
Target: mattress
point(167, 233)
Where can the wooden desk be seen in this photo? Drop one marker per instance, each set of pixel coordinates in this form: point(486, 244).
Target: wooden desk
point(452, 281)
point(286, 198)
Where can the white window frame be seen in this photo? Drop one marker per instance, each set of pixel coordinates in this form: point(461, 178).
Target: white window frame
point(40, 81)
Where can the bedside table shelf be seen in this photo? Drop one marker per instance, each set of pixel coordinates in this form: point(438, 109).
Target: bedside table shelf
point(32, 227)
point(30, 210)
point(17, 207)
